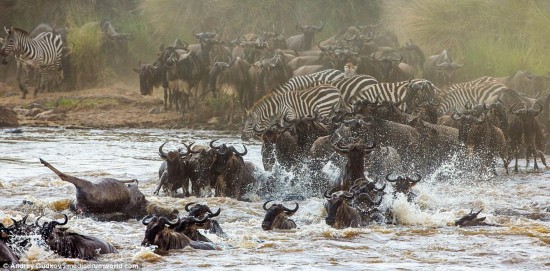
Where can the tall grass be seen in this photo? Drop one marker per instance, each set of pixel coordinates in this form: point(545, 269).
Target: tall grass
point(490, 37)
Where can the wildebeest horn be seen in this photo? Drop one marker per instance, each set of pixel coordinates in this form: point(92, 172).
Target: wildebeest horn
point(189, 150)
point(511, 110)
point(340, 148)
point(36, 222)
point(346, 195)
point(327, 195)
point(239, 153)
point(265, 205)
point(391, 180)
point(417, 179)
point(211, 214)
point(319, 27)
point(55, 223)
point(162, 153)
point(437, 102)
point(381, 188)
point(212, 144)
point(187, 206)
point(292, 211)
point(170, 223)
point(537, 111)
point(193, 31)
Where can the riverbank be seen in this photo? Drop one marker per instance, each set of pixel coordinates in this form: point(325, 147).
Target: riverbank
point(116, 106)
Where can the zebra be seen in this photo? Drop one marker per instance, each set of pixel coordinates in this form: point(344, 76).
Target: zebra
point(407, 92)
point(302, 82)
point(316, 101)
point(483, 93)
point(350, 86)
point(477, 81)
point(43, 53)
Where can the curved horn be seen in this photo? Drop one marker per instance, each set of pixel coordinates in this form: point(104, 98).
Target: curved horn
point(537, 111)
point(391, 180)
point(265, 205)
point(319, 27)
point(146, 220)
point(292, 211)
point(162, 154)
point(511, 110)
point(327, 195)
point(456, 116)
point(187, 206)
point(417, 179)
point(211, 214)
point(170, 223)
point(195, 220)
point(189, 150)
point(211, 144)
point(36, 222)
point(344, 195)
point(61, 223)
point(239, 153)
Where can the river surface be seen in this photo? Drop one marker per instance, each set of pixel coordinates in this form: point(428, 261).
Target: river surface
point(424, 237)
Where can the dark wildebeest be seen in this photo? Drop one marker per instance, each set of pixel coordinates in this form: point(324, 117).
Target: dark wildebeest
point(440, 69)
point(339, 213)
point(278, 145)
point(201, 211)
point(233, 81)
point(110, 196)
point(276, 217)
point(471, 219)
point(355, 166)
point(304, 41)
point(7, 255)
point(159, 234)
point(525, 130)
point(175, 173)
point(73, 245)
point(404, 185)
point(149, 78)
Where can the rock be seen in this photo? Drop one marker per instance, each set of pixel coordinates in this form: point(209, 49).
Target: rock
point(50, 115)
point(154, 110)
point(214, 120)
point(34, 112)
point(8, 118)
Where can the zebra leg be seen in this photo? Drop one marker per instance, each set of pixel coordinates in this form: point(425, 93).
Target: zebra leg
point(22, 71)
point(542, 158)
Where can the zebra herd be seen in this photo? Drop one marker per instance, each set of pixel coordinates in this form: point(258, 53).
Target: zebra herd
point(324, 93)
point(38, 58)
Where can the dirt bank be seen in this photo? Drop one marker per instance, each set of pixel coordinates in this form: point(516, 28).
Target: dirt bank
point(115, 106)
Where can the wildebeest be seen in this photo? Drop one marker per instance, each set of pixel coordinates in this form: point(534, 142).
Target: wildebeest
point(276, 217)
point(110, 196)
point(303, 42)
point(278, 145)
point(526, 130)
point(73, 245)
point(440, 69)
point(339, 213)
point(149, 78)
point(201, 211)
point(7, 255)
point(159, 234)
point(174, 175)
point(232, 79)
point(355, 165)
point(404, 185)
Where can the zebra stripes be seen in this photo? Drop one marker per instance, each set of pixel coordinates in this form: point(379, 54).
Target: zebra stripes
point(349, 87)
point(478, 81)
point(406, 91)
point(318, 100)
point(307, 81)
point(481, 93)
point(42, 53)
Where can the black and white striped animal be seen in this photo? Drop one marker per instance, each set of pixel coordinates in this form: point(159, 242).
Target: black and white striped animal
point(484, 93)
point(408, 92)
point(316, 101)
point(307, 81)
point(349, 87)
point(42, 53)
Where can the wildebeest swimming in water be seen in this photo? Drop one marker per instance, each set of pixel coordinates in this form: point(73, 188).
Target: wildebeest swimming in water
point(111, 196)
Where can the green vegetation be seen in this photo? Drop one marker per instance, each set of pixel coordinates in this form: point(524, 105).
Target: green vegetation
point(490, 37)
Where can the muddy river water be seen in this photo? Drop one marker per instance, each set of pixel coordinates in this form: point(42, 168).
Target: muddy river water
point(424, 238)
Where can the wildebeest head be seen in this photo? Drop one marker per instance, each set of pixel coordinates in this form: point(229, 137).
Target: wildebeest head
point(419, 91)
point(149, 76)
point(154, 226)
point(339, 213)
point(47, 228)
point(276, 216)
point(445, 67)
point(403, 184)
point(201, 210)
point(217, 68)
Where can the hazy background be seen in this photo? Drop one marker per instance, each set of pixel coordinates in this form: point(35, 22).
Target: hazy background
point(490, 37)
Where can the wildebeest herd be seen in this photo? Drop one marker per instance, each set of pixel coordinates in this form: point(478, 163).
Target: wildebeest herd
point(351, 102)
